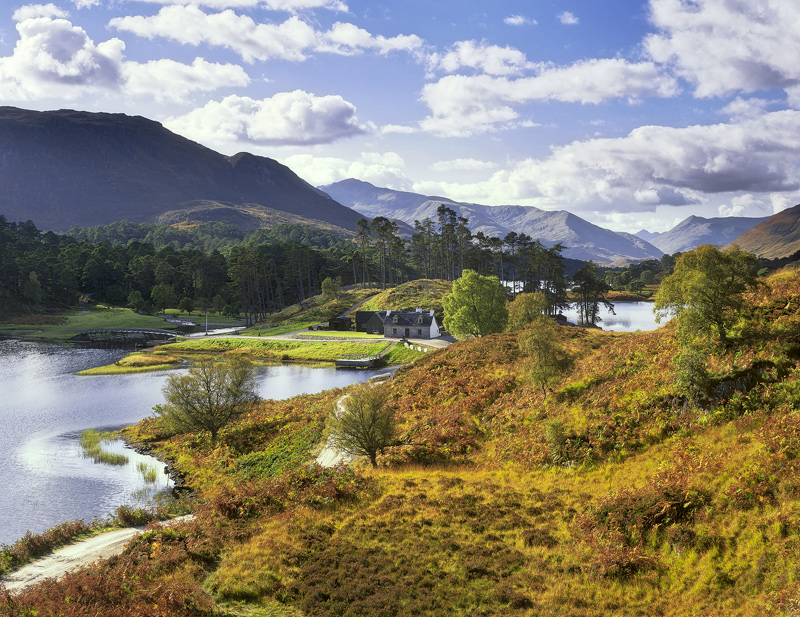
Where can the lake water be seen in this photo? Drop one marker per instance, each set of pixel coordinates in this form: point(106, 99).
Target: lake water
point(630, 316)
point(44, 407)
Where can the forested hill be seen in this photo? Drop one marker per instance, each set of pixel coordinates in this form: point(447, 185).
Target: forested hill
point(65, 168)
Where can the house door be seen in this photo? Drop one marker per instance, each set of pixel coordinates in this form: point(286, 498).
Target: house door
point(407, 332)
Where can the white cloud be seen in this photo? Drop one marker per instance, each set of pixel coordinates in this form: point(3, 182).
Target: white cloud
point(466, 105)
point(85, 4)
point(490, 59)
point(288, 118)
point(740, 109)
point(167, 80)
point(653, 166)
point(463, 165)
point(189, 25)
point(291, 40)
point(290, 6)
point(725, 46)
point(32, 11)
point(746, 205)
point(348, 39)
point(567, 18)
point(519, 20)
point(55, 59)
point(380, 169)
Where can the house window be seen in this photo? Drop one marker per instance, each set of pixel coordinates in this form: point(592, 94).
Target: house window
point(419, 331)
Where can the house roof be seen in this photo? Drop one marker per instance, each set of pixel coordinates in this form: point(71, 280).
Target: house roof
point(409, 320)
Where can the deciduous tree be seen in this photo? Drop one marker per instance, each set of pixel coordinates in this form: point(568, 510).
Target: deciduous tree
point(362, 424)
point(548, 361)
point(476, 307)
point(211, 395)
point(708, 283)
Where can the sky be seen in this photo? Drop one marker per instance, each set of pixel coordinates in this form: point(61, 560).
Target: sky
point(633, 114)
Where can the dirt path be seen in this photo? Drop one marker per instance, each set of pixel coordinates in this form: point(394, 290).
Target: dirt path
point(73, 556)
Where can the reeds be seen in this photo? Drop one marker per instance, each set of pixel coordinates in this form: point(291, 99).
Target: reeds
point(92, 444)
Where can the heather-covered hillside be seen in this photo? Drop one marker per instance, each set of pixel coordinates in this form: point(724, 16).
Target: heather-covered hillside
point(617, 494)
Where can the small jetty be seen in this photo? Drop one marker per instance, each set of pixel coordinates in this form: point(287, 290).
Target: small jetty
point(357, 361)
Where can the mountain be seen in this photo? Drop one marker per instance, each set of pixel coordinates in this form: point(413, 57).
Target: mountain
point(776, 237)
point(582, 239)
point(64, 168)
point(697, 230)
point(648, 236)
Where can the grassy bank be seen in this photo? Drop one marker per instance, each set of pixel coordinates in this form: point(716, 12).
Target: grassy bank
point(614, 495)
point(137, 362)
point(67, 325)
point(278, 351)
point(423, 293)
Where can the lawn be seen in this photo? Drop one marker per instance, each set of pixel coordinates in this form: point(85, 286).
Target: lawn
point(68, 324)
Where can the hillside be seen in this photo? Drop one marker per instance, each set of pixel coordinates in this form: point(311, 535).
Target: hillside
point(65, 168)
point(615, 495)
point(581, 239)
point(422, 293)
point(778, 236)
point(696, 230)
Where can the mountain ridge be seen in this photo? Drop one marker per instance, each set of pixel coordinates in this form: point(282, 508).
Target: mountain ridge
point(582, 239)
point(66, 167)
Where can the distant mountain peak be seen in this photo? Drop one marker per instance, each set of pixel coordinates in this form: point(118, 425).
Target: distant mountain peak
point(582, 240)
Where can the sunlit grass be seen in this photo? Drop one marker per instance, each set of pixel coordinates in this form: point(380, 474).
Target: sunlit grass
point(92, 445)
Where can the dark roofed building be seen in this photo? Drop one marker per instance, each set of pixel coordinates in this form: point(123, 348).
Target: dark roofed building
point(402, 324)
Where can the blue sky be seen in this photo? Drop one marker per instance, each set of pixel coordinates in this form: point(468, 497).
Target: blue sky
point(630, 113)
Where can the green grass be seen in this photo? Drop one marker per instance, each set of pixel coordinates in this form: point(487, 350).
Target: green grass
point(297, 351)
point(335, 334)
point(92, 444)
point(400, 354)
point(423, 293)
point(75, 321)
point(137, 362)
point(287, 328)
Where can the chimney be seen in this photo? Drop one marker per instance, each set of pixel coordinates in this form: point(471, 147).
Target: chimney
point(388, 312)
point(419, 310)
point(431, 312)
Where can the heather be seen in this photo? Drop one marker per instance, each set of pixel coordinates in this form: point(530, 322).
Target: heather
point(618, 493)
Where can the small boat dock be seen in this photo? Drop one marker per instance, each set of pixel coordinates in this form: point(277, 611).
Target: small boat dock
point(357, 361)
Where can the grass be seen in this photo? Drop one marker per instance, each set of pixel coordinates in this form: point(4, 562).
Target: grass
point(137, 362)
point(423, 293)
point(148, 472)
point(612, 496)
point(92, 445)
point(339, 334)
point(314, 311)
point(71, 323)
point(292, 351)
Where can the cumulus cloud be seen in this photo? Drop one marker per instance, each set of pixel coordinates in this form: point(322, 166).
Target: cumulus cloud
point(380, 169)
point(291, 40)
point(519, 20)
point(54, 58)
point(465, 105)
point(746, 205)
point(568, 19)
point(653, 166)
point(464, 165)
point(490, 59)
point(727, 46)
point(291, 6)
point(348, 39)
point(288, 118)
point(168, 80)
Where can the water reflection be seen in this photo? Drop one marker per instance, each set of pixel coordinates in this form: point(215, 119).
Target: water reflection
point(628, 317)
point(44, 406)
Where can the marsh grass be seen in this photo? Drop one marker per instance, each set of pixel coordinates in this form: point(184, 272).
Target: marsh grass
point(92, 445)
point(148, 472)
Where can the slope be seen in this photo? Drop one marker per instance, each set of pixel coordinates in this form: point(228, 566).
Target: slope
point(696, 230)
point(64, 168)
point(582, 239)
point(778, 236)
